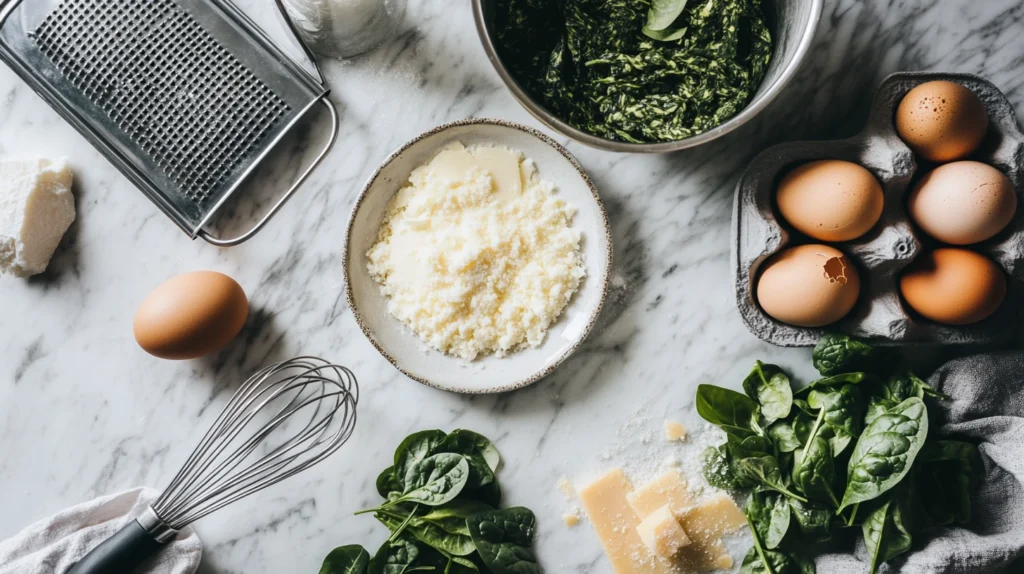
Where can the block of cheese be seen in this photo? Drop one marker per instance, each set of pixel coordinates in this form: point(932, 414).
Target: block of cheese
point(662, 533)
point(705, 524)
point(667, 489)
point(615, 523)
point(36, 208)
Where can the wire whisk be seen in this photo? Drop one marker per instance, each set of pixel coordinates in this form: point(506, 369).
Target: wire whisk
point(282, 420)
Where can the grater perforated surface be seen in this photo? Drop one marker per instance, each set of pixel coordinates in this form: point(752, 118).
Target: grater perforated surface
point(166, 83)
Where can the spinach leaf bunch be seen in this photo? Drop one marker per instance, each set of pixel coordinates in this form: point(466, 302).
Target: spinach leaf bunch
point(441, 505)
point(636, 70)
point(850, 453)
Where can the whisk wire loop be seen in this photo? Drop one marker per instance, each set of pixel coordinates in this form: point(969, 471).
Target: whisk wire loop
point(236, 457)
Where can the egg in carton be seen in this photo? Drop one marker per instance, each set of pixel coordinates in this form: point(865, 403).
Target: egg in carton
point(882, 254)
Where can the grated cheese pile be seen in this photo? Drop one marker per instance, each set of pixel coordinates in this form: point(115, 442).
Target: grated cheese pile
point(476, 254)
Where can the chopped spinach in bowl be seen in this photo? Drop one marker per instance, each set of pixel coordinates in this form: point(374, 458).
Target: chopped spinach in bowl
point(597, 65)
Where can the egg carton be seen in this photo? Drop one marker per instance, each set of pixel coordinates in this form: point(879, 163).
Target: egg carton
point(881, 315)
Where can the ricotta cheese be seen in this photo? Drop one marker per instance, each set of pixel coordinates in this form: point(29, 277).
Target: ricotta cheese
point(36, 208)
point(477, 254)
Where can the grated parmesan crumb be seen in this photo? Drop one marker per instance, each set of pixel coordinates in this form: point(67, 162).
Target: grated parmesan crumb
point(477, 254)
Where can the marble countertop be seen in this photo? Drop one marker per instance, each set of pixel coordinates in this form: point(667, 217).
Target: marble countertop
point(85, 412)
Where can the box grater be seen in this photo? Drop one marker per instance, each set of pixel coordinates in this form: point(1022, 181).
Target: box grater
point(185, 97)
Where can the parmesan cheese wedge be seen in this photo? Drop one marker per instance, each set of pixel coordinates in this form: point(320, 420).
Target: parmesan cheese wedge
point(705, 525)
point(616, 524)
point(662, 534)
point(667, 489)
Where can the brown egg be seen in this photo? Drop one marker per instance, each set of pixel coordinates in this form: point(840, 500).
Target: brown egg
point(808, 286)
point(953, 286)
point(191, 315)
point(830, 200)
point(963, 202)
point(941, 121)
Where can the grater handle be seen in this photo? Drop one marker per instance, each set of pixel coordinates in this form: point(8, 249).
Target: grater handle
point(288, 194)
point(302, 43)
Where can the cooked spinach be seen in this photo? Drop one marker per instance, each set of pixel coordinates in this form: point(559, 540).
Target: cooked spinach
point(440, 488)
point(807, 487)
point(636, 70)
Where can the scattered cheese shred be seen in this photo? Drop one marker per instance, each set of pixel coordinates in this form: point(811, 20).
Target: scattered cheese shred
point(477, 254)
point(674, 431)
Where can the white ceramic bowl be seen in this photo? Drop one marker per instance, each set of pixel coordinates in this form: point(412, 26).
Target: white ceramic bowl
point(397, 343)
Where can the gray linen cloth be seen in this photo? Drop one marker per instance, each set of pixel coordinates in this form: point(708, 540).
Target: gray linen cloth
point(987, 408)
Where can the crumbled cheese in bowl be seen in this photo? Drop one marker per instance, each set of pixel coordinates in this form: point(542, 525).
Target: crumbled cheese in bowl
point(477, 254)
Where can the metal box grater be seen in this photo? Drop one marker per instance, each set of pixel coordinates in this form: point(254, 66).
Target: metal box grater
point(185, 97)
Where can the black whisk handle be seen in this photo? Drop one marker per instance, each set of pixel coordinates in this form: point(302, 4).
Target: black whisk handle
point(122, 553)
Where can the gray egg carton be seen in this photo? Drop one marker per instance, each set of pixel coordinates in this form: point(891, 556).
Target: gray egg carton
point(881, 255)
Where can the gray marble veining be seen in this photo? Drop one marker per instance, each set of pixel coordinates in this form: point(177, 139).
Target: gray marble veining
point(83, 411)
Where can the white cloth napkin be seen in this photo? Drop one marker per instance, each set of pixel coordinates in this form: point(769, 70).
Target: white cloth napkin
point(54, 544)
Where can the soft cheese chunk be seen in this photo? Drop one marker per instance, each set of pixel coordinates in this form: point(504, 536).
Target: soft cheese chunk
point(667, 489)
point(662, 534)
point(36, 208)
point(615, 524)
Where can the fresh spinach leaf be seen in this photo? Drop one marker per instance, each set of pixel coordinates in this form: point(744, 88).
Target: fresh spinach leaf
point(388, 482)
point(394, 557)
point(716, 469)
point(469, 443)
point(946, 475)
point(814, 472)
point(663, 13)
point(784, 436)
point(769, 513)
point(435, 480)
point(778, 521)
point(843, 412)
point(904, 384)
point(763, 471)
point(836, 354)
point(414, 449)
point(762, 560)
point(440, 536)
point(733, 412)
point(829, 383)
point(352, 559)
point(814, 519)
point(885, 533)
point(504, 540)
point(885, 451)
point(770, 387)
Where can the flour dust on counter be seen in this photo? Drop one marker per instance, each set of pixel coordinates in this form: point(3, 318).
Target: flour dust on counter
point(477, 254)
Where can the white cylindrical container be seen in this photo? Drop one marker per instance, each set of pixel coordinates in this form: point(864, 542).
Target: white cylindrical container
point(345, 28)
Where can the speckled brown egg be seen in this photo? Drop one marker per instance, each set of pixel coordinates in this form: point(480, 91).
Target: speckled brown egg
point(830, 200)
point(191, 315)
point(953, 286)
point(808, 286)
point(941, 121)
point(963, 202)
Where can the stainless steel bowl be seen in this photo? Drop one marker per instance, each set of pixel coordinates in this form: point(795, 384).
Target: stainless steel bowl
point(792, 23)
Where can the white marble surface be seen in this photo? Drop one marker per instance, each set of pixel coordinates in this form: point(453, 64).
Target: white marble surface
point(83, 411)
